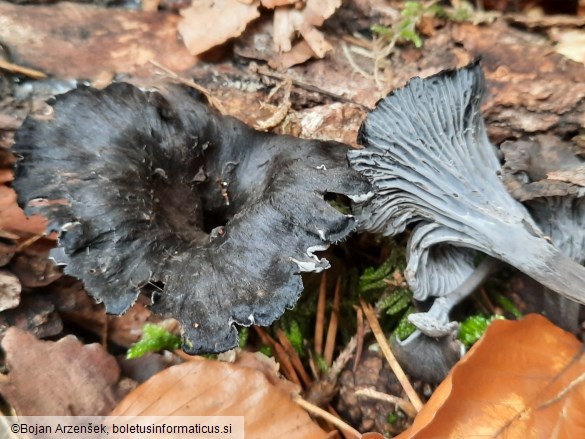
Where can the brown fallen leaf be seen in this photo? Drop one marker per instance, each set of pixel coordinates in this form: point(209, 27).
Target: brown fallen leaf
point(13, 219)
point(72, 40)
point(212, 388)
point(47, 378)
point(208, 23)
point(523, 379)
point(298, 54)
point(288, 21)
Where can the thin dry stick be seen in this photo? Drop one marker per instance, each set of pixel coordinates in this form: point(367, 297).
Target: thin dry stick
point(317, 411)
point(314, 370)
point(381, 338)
point(190, 83)
point(287, 368)
point(265, 71)
point(281, 110)
point(15, 68)
point(294, 357)
point(184, 356)
point(353, 64)
point(320, 322)
point(345, 434)
point(360, 339)
point(332, 330)
point(404, 405)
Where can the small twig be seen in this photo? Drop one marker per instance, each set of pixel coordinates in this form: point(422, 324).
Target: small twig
point(287, 368)
point(488, 303)
point(404, 405)
point(353, 64)
point(317, 411)
point(360, 339)
point(314, 369)
point(381, 338)
point(358, 41)
point(190, 83)
point(322, 391)
point(320, 319)
point(344, 433)
point(15, 68)
point(281, 110)
point(264, 71)
point(294, 357)
point(186, 357)
point(332, 330)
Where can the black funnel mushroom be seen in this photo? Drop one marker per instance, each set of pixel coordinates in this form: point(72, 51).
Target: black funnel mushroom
point(428, 156)
point(151, 190)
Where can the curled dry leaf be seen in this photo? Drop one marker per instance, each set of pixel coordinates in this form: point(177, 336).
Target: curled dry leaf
point(523, 379)
point(208, 23)
point(288, 21)
point(212, 388)
point(78, 380)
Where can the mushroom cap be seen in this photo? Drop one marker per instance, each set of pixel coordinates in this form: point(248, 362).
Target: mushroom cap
point(153, 191)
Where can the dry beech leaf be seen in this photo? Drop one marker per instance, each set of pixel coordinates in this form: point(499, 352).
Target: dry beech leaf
point(208, 23)
point(60, 378)
point(12, 218)
point(523, 379)
point(212, 388)
point(91, 39)
point(288, 21)
point(298, 54)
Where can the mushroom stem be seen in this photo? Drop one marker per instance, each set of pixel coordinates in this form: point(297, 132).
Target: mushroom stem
point(435, 322)
point(546, 264)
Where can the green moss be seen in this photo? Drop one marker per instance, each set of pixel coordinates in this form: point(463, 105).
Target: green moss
point(509, 306)
point(405, 328)
point(244, 333)
point(474, 327)
point(154, 339)
point(295, 336)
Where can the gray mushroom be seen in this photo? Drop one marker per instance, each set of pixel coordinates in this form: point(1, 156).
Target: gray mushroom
point(152, 191)
point(427, 154)
point(532, 172)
